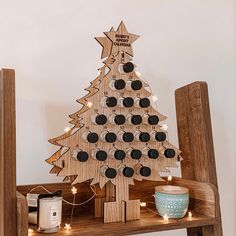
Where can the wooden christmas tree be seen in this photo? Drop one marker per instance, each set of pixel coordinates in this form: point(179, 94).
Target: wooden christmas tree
point(117, 136)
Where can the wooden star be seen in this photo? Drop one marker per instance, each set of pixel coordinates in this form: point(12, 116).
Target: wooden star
point(106, 43)
point(121, 39)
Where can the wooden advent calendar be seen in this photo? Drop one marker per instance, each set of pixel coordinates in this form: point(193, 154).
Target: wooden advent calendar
point(117, 136)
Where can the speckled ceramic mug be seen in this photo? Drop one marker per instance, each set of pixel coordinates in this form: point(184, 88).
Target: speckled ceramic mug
point(172, 201)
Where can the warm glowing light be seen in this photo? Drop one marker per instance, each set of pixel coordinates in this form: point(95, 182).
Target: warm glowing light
point(67, 227)
point(89, 104)
point(143, 204)
point(190, 215)
point(169, 178)
point(74, 190)
point(154, 98)
point(164, 127)
point(30, 231)
point(67, 129)
point(166, 218)
point(99, 72)
point(138, 73)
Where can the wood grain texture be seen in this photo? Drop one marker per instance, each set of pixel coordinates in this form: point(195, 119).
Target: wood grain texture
point(149, 222)
point(22, 215)
point(7, 154)
point(117, 48)
point(196, 141)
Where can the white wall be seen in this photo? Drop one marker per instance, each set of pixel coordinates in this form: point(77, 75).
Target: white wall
point(50, 45)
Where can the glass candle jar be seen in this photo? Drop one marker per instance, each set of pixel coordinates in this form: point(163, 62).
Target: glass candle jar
point(117, 84)
point(134, 119)
point(125, 102)
point(108, 101)
point(99, 119)
point(118, 154)
point(150, 153)
point(150, 119)
point(125, 136)
point(145, 171)
point(133, 85)
point(117, 119)
point(90, 137)
point(107, 136)
point(108, 172)
point(99, 155)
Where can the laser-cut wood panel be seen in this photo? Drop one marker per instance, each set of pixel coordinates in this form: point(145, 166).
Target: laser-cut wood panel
point(118, 52)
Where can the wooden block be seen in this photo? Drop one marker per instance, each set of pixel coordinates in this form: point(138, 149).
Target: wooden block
point(99, 207)
point(133, 210)
point(113, 212)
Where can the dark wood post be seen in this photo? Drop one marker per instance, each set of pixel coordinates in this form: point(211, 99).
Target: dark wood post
point(7, 154)
point(196, 143)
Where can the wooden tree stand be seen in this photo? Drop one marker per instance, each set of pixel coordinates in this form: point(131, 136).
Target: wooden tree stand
point(198, 171)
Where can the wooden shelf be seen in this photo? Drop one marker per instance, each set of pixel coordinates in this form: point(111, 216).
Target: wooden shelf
point(149, 222)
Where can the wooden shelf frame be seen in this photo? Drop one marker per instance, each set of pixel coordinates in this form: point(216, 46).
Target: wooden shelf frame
point(198, 171)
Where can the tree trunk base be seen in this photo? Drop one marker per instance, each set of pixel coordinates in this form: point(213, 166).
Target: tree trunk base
point(121, 211)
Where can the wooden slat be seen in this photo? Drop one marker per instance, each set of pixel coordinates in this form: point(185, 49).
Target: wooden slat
point(195, 140)
point(7, 154)
point(22, 215)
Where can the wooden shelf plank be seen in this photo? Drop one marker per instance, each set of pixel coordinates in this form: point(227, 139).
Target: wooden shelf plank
point(149, 222)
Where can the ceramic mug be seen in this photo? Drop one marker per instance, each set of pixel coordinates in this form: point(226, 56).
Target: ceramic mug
point(172, 201)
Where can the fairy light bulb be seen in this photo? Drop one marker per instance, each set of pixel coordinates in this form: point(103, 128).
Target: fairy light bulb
point(169, 178)
point(99, 72)
point(67, 129)
point(154, 98)
point(74, 190)
point(164, 127)
point(166, 218)
point(67, 227)
point(190, 215)
point(30, 231)
point(89, 104)
point(138, 73)
point(143, 204)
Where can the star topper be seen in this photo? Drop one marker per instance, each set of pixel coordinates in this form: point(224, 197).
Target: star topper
point(115, 41)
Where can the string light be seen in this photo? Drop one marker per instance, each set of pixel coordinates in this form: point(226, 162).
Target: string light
point(164, 127)
point(89, 104)
point(143, 204)
point(74, 190)
point(99, 72)
point(166, 218)
point(67, 227)
point(190, 215)
point(169, 178)
point(154, 98)
point(67, 129)
point(30, 231)
point(138, 73)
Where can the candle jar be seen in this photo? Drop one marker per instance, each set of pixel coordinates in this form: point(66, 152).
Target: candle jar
point(108, 172)
point(108, 101)
point(49, 214)
point(117, 84)
point(135, 154)
point(80, 155)
point(141, 136)
point(125, 102)
point(90, 137)
point(172, 201)
point(142, 102)
point(133, 85)
point(158, 136)
point(99, 119)
point(125, 136)
point(125, 171)
point(107, 136)
point(117, 119)
point(150, 119)
point(145, 171)
point(98, 154)
point(119, 155)
point(150, 153)
point(134, 119)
